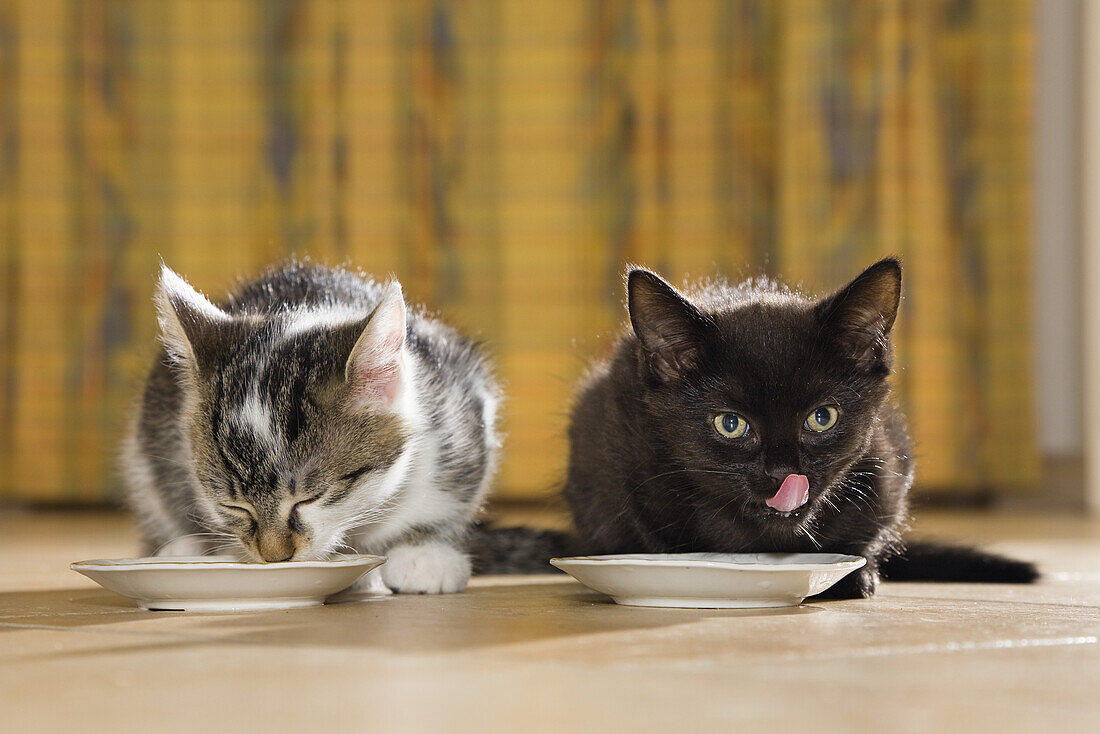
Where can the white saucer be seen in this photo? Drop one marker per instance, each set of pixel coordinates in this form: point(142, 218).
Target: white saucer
point(223, 583)
point(710, 580)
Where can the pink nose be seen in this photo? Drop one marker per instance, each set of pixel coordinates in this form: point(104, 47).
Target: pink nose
point(792, 494)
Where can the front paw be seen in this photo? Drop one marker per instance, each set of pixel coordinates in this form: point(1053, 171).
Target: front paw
point(860, 584)
point(431, 568)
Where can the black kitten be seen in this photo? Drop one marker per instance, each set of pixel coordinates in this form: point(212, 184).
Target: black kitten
point(752, 419)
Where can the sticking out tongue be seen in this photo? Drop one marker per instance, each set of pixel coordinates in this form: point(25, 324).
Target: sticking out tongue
point(792, 494)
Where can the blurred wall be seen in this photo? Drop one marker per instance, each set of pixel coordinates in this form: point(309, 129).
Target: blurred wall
point(1090, 247)
point(1058, 240)
point(504, 159)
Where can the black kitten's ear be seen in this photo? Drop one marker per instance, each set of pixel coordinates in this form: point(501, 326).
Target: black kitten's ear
point(669, 327)
point(862, 313)
point(195, 331)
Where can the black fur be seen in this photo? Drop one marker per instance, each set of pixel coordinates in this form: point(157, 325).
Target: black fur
point(650, 472)
point(518, 550)
point(925, 561)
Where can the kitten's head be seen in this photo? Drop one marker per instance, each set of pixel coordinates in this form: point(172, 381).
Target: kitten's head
point(297, 422)
point(758, 392)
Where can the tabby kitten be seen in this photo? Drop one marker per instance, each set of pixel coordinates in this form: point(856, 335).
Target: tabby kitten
point(750, 418)
point(310, 412)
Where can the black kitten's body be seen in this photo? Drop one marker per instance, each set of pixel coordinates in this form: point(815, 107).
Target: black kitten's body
point(648, 472)
point(653, 468)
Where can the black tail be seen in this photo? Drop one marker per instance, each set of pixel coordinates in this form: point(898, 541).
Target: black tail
point(936, 562)
point(517, 550)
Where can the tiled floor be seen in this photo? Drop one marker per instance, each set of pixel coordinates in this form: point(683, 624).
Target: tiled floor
point(542, 654)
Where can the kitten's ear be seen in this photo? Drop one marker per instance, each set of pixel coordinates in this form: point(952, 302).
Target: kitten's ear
point(375, 371)
point(195, 331)
point(668, 326)
point(862, 313)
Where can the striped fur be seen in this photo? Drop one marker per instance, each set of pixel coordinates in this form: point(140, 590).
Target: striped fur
point(309, 412)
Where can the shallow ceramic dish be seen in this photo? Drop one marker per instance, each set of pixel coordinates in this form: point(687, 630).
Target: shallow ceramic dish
point(710, 580)
point(224, 584)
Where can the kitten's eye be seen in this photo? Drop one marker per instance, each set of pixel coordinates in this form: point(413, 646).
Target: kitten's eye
point(308, 500)
point(821, 419)
point(731, 425)
point(246, 512)
point(243, 513)
point(351, 476)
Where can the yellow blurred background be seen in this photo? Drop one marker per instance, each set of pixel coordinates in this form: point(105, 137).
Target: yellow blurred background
point(504, 160)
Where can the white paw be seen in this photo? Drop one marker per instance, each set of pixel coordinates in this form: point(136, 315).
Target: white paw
point(432, 568)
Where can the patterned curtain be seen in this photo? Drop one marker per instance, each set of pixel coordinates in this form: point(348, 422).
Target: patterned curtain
point(504, 159)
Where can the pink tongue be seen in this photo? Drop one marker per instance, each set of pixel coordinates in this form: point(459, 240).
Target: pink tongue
point(792, 494)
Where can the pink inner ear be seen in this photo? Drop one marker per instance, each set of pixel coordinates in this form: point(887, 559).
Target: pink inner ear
point(376, 365)
point(377, 383)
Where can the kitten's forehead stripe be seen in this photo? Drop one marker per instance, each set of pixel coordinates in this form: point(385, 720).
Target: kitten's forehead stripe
point(297, 365)
point(305, 320)
point(255, 416)
point(246, 445)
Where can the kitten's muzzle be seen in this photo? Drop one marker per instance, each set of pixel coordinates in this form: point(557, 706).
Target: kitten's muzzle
point(274, 546)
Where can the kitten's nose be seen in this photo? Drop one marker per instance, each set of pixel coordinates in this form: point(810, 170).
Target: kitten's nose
point(275, 546)
point(779, 473)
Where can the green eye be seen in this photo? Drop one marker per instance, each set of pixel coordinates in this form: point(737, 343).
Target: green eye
point(731, 425)
point(821, 419)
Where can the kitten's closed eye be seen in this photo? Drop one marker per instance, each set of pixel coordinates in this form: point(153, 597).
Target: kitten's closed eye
point(351, 476)
point(308, 500)
point(242, 514)
point(242, 511)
